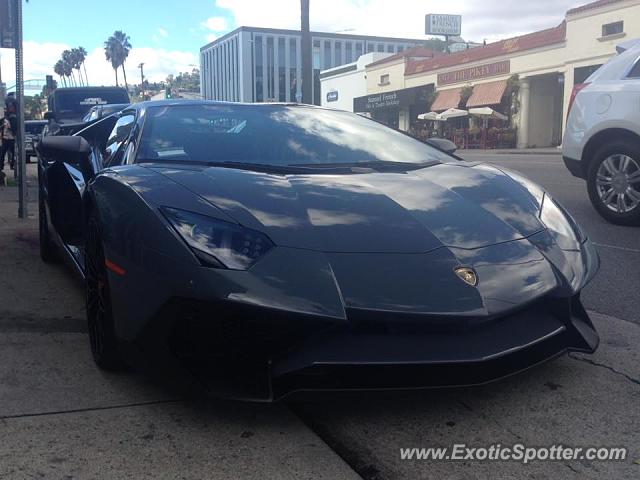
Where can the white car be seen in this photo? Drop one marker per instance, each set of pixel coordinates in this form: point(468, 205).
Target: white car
point(601, 143)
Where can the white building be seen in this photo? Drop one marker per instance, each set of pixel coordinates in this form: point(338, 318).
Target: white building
point(265, 65)
point(340, 85)
point(547, 65)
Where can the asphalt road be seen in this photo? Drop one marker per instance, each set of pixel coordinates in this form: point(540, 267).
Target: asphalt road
point(616, 289)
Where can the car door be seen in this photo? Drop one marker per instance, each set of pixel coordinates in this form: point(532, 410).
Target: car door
point(67, 180)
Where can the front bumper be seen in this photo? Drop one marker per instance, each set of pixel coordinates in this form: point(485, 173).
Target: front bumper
point(264, 355)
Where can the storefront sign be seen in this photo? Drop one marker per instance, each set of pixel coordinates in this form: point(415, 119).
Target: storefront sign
point(395, 99)
point(382, 100)
point(474, 73)
point(436, 24)
point(332, 96)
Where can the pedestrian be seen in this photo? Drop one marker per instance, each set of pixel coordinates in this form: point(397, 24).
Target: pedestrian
point(9, 126)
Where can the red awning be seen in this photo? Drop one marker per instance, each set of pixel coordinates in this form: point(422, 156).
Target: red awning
point(446, 99)
point(485, 94)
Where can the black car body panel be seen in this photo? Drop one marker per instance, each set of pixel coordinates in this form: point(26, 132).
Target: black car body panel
point(359, 289)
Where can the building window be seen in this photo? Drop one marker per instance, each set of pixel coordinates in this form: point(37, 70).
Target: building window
point(400, 49)
point(389, 48)
point(370, 47)
point(349, 52)
point(270, 71)
point(259, 65)
point(358, 50)
point(612, 28)
point(338, 54)
point(581, 74)
point(316, 54)
point(327, 55)
point(384, 79)
point(293, 69)
point(282, 81)
point(381, 47)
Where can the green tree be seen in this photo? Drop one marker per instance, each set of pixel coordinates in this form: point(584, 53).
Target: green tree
point(117, 48)
point(58, 68)
point(82, 54)
point(69, 61)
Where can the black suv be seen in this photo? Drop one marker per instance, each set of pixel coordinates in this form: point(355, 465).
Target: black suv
point(68, 106)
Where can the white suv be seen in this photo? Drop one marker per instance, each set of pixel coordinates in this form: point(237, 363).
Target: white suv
point(601, 143)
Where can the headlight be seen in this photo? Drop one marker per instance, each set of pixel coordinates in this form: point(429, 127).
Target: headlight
point(218, 243)
point(566, 232)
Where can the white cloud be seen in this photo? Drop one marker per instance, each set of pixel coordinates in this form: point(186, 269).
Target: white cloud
point(491, 19)
point(215, 24)
point(211, 37)
point(162, 32)
point(158, 63)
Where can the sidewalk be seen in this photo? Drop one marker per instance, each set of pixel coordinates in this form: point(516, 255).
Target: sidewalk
point(513, 151)
point(61, 417)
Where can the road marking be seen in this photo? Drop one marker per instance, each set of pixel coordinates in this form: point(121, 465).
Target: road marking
point(624, 249)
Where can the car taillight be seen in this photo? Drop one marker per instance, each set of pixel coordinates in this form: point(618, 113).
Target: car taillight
point(574, 93)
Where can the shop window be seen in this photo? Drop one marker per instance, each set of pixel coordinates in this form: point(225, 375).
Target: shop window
point(581, 74)
point(612, 29)
point(384, 79)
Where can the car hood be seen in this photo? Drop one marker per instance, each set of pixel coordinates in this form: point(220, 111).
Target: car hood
point(451, 204)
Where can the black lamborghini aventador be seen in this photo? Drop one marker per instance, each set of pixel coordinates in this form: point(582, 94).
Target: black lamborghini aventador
point(268, 249)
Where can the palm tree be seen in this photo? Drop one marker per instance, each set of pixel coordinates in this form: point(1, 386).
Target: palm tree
point(69, 63)
point(116, 49)
point(111, 54)
point(82, 54)
point(58, 68)
point(76, 58)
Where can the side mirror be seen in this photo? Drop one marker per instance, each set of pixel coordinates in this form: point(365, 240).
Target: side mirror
point(49, 116)
point(68, 149)
point(442, 144)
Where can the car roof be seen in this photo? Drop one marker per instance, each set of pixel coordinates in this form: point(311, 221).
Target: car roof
point(83, 89)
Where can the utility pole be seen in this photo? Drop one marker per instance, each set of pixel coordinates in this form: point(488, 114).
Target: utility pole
point(141, 67)
point(307, 73)
point(21, 164)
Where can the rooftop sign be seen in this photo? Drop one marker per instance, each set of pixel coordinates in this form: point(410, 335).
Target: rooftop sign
point(438, 24)
point(474, 73)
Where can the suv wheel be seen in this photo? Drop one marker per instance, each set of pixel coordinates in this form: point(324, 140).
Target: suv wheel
point(613, 182)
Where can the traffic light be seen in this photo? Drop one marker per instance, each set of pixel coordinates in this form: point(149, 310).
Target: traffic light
point(167, 92)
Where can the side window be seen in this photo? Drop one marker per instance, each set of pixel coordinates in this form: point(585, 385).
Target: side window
point(635, 71)
point(121, 130)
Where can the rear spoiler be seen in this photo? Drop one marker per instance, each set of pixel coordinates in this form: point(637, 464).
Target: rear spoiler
point(624, 46)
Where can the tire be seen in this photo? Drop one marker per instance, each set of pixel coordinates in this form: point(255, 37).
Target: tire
point(613, 182)
point(102, 337)
point(48, 252)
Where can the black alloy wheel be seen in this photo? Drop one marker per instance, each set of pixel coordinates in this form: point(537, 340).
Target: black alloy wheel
point(102, 337)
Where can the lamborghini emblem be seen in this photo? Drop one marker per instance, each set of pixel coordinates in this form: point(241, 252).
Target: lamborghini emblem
point(467, 275)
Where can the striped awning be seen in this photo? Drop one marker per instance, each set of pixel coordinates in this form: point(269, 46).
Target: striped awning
point(446, 99)
point(485, 94)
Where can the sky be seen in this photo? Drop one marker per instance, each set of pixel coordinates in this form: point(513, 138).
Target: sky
point(167, 36)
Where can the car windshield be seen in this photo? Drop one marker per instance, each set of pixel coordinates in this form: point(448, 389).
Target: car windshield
point(278, 135)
